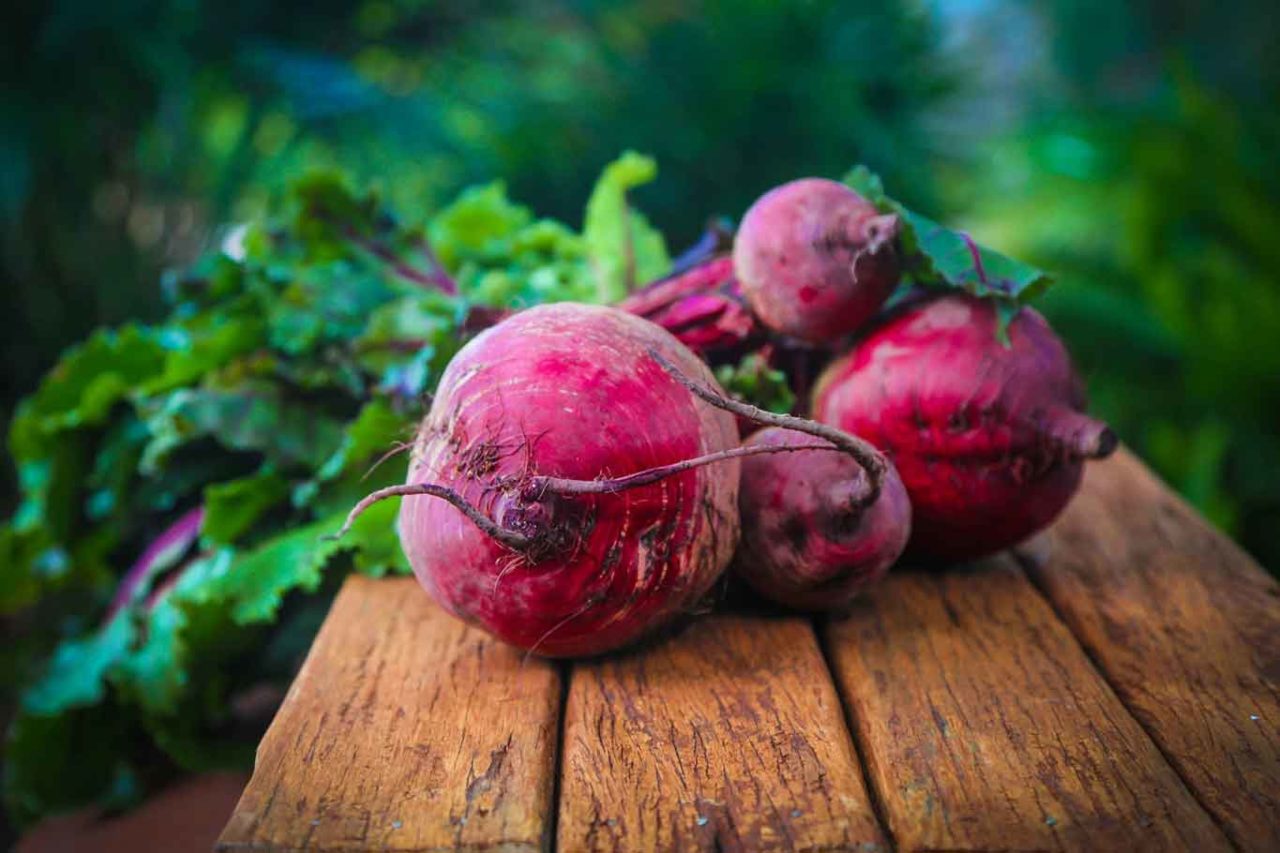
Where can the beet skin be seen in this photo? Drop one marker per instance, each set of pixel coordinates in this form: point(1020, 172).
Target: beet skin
point(807, 539)
point(570, 393)
point(988, 439)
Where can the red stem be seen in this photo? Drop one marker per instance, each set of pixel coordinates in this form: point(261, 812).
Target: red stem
point(558, 485)
point(976, 254)
point(431, 281)
point(867, 456)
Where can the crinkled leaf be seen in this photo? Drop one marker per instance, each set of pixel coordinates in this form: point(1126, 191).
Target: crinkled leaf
point(254, 582)
point(200, 346)
point(937, 256)
point(375, 431)
point(375, 539)
point(623, 248)
point(77, 673)
point(480, 224)
point(233, 507)
point(325, 304)
point(155, 672)
point(81, 390)
point(416, 329)
point(753, 380)
point(255, 417)
point(328, 212)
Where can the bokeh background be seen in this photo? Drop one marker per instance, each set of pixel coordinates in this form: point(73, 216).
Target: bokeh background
point(1129, 147)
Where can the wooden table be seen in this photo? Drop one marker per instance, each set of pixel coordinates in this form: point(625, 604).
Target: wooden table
point(1114, 687)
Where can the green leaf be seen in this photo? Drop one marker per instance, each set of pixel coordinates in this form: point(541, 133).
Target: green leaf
point(753, 380)
point(156, 671)
point(623, 249)
point(77, 674)
point(936, 256)
point(255, 582)
point(233, 507)
point(375, 431)
point(200, 346)
point(419, 329)
point(375, 540)
point(480, 224)
point(81, 390)
point(256, 417)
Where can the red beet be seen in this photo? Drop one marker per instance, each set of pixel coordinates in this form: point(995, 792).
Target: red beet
point(815, 259)
point(555, 496)
point(989, 439)
point(810, 540)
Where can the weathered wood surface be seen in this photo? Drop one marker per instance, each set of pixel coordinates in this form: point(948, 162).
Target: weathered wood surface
point(1120, 692)
point(1186, 627)
point(728, 737)
point(985, 727)
point(405, 730)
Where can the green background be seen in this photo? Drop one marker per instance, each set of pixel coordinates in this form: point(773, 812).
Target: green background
point(1130, 148)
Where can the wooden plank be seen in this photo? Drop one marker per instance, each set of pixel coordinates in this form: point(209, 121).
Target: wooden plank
point(985, 727)
point(729, 737)
point(405, 730)
point(1186, 627)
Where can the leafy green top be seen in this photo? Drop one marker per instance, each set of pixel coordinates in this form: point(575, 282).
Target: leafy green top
point(294, 358)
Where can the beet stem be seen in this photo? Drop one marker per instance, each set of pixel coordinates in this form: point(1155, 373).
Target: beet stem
point(510, 538)
point(976, 254)
point(437, 279)
point(562, 486)
point(863, 453)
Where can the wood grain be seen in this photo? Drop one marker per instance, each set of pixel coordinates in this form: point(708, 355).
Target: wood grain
point(729, 737)
point(985, 727)
point(405, 730)
point(1186, 627)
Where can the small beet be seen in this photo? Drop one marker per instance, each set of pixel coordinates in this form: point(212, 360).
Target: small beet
point(989, 439)
point(810, 539)
point(815, 259)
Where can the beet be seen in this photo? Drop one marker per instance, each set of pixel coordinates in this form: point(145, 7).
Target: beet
point(815, 259)
point(989, 439)
point(539, 537)
point(810, 540)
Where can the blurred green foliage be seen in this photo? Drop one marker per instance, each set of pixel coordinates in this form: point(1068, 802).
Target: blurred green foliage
point(1127, 147)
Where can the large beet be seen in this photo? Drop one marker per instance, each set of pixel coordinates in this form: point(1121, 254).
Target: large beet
point(988, 439)
point(540, 537)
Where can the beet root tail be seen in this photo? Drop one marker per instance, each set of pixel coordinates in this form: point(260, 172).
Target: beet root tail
point(1081, 436)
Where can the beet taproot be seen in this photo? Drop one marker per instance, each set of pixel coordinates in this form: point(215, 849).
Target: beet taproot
point(989, 438)
point(815, 260)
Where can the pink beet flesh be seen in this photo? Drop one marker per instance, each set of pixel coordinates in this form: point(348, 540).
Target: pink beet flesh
point(806, 542)
point(815, 259)
point(570, 391)
point(989, 440)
